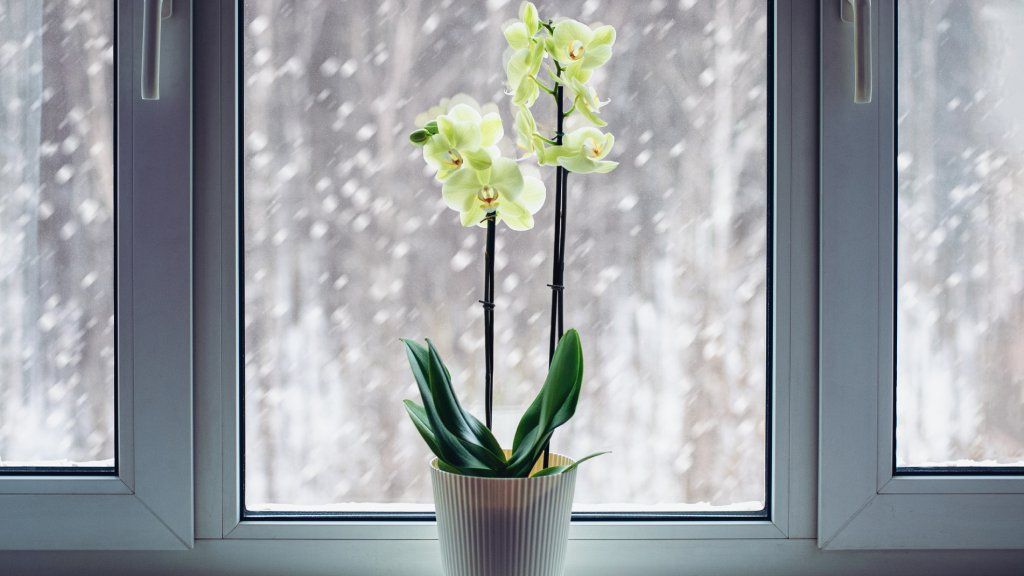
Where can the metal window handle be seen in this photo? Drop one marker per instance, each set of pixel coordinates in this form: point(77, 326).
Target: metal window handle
point(153, 13)
point(859, 12)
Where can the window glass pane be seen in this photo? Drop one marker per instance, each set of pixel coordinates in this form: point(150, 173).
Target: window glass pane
point(56, 233)
point(960, 319)
point(348, 246)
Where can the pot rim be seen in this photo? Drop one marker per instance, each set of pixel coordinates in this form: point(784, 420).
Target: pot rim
point(567, 461)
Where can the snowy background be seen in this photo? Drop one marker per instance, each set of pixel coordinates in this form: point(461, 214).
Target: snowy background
point(56, 232)
point(960, 349)
point(348, 246)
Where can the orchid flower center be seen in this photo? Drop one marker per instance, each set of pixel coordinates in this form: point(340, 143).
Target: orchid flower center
point(454, 158)
point(592, 148)
point(489, 196)
point(576, 49)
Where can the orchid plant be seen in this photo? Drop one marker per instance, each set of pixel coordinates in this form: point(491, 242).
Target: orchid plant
point(461, 143)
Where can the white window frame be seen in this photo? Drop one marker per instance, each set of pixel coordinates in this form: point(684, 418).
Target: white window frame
point(788, 543)
point(147, 504)
point(862, 504)
point(219, 513)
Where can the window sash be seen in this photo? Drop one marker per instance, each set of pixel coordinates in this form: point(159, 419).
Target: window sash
point(255, 257)
point(219, 509)
point(862, 504)
point(147, 504)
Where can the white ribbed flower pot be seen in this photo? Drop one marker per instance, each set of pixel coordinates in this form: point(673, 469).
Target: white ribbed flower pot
point(504, 526)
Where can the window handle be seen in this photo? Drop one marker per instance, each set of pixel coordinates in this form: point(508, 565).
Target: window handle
point(859, 13)
point(153, 12)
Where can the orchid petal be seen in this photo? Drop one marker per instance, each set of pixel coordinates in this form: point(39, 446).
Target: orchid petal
point(473, 215)
point(518, 35)
point(515, 216)
point(491, 130)
point(528, 14)
point(459, 191)
point(506, 177)
point(532, 196)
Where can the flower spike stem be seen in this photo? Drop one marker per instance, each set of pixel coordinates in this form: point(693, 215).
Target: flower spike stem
point(558, 267)
point(488, 304)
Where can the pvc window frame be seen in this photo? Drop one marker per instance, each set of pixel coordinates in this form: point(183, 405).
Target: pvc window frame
point(146, 501)
point(856, 502)
point(864, 504)
point(219, 506)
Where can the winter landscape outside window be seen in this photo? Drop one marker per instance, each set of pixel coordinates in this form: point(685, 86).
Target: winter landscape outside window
point(669, 270)
point(960, 274)
point(57, 330)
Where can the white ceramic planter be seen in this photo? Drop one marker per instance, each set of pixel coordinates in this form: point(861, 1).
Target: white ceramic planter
point(504, 526)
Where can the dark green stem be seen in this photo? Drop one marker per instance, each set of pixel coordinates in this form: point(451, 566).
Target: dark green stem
point(558, 265)
point(488, 304)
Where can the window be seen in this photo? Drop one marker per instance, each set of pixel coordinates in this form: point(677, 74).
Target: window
point(669, 278)
point(94, 217)
point(57, 237)
point(918, 300)
point(800, 311)
point(960, 278)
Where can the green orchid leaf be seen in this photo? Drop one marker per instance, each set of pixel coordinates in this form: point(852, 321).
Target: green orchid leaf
point(418, 415)
point(527, 424)
point(529, 452)
point(457, 419)
point(464, 445)
point(461, 439)
point(493, 465)
point(444, 466)
point(419, 418)
point(553, 406)
point(448, 444)
point(567, 408)
point(562, 377)
point(528, 433)
point(486, 437)
point(551, 471)
point(469, 471)
point(431, 127)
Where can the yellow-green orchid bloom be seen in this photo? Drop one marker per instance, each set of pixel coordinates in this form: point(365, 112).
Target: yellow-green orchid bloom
point(463, 137)
point(585, 100)
point(500, 189)
point(528, 140)
point(583, 151)
point(447, 104)
point(521, 68)
point(526, 131)
point(580, 50)
point(518, 215)
point(529, 16)
point(519, 33)
point(525, 54)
